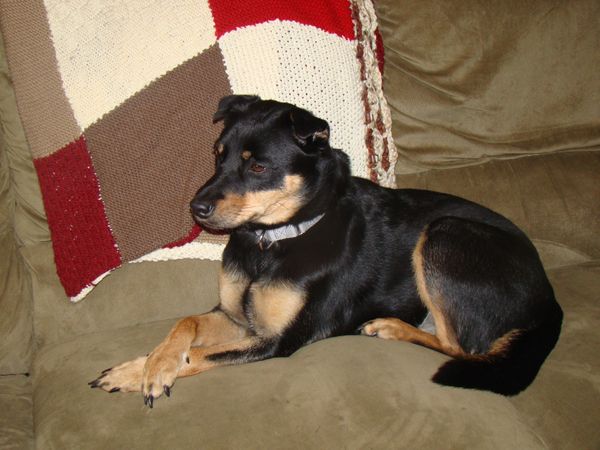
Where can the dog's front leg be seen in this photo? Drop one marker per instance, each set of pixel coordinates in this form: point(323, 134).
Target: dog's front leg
point(163, 363)
point(158, 370)
point(200, 359)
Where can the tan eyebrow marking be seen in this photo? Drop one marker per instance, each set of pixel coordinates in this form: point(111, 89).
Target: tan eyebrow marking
point(246, 154)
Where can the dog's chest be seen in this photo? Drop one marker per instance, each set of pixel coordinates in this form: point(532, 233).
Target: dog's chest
point(271, 308)
point(266, 305)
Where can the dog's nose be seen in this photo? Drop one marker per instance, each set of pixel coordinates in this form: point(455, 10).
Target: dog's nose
point(202, 210)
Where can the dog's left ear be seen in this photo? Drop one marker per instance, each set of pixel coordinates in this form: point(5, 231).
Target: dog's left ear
point(309, 131)
point(233, 104)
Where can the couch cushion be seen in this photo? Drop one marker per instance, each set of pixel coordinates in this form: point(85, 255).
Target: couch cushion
point(349, 392)
point(468, 81)
point(562, 405)
point(554, 198)
point(16, 418)
point(137, 293)
point(16, 329)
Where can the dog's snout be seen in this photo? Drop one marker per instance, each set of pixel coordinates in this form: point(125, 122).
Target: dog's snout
point(202, 210)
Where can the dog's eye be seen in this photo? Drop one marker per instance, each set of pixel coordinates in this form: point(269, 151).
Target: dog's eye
point(257, 168)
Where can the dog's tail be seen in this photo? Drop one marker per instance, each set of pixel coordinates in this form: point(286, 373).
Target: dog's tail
point(511, 365)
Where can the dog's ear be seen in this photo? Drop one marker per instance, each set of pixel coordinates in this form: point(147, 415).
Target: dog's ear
point(233, 104)
point(308, 130)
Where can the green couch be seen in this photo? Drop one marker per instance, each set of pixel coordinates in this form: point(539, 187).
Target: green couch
point(498, 102)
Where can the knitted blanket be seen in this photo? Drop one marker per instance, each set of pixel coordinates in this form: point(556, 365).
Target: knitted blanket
point(116, 99)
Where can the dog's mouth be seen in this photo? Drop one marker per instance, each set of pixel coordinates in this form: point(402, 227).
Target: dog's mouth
point(210, 220)
point(212, 229)
point(214, 226)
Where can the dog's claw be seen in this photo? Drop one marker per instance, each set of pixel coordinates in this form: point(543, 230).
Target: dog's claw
point(167, 390)
point(95, 383)
point(149, 400)
point(115, 389)
point(107, 370)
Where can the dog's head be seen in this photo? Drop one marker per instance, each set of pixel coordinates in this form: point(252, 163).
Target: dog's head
point(274, 165)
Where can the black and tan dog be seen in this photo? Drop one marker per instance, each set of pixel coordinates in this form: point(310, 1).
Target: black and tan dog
point(316, 253)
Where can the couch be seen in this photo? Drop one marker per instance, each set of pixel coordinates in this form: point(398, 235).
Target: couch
point(498, 102)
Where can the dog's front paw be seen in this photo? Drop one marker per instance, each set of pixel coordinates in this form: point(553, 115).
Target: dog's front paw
point(160, 372)
point(126, 377)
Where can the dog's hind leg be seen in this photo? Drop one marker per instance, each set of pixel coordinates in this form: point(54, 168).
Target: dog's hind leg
point(398, 330)
point(444, 340)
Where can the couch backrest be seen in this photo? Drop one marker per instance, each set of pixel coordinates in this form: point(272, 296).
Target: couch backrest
point(468, 81)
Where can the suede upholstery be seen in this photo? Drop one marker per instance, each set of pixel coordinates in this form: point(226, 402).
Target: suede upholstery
point(16, 416)
point(496, 102)
point(549, 196)
point(321, 397)
point(17, 184)
point(469, 80)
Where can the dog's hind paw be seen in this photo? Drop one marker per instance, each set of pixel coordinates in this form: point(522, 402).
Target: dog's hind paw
point(126, 377)
point(389, 328)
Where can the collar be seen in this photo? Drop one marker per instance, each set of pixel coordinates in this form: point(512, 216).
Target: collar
point(266, 238)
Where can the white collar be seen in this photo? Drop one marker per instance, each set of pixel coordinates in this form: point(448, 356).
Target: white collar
point(266, 238)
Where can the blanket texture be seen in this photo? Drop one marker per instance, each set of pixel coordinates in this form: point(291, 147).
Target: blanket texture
point(116, 98)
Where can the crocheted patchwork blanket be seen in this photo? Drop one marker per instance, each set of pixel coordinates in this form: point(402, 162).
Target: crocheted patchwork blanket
point(117, 97)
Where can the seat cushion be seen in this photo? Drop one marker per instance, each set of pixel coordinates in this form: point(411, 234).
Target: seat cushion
point(348, 392)
point(16, 423)
point(137, 293)
point(16, 331)
point(562, 404)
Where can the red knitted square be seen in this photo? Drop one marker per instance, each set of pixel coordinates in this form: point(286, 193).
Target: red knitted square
point(333, 16)
point(84, 247)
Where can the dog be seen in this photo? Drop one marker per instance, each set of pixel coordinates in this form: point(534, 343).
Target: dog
point(315, 253)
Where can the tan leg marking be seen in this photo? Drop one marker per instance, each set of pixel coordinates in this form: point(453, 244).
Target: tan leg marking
point(266, 207)
point(274, 307)
point(434, 302)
